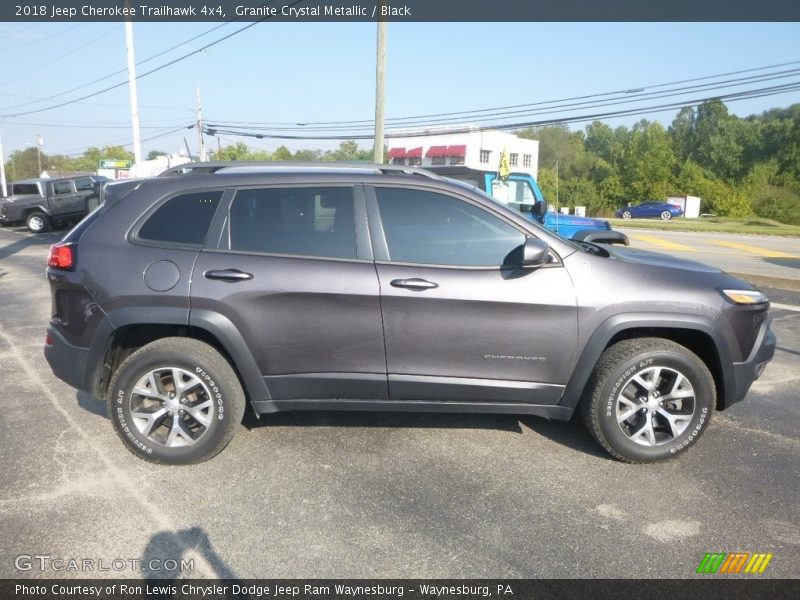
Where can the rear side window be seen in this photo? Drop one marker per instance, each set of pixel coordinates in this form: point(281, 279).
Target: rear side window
point(24, 189)
point(295, 221)
point(182, 219)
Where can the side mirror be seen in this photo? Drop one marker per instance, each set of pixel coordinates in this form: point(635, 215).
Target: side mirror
point(535, 252)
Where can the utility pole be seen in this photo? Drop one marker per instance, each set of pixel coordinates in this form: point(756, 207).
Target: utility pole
point(380, 84)
point(137, 144)
point(200, 126)
point(3, 188)
point(39, 144)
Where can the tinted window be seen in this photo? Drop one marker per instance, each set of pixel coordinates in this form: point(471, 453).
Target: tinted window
point(183, 219)
point(84, 184)
point(25, 188)
point(62, 187)
point(298, 221)
point(430, 228)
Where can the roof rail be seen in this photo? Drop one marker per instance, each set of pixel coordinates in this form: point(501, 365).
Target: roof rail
point(205, 168)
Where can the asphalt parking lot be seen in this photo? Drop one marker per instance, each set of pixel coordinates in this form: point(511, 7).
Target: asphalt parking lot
point(381, 495)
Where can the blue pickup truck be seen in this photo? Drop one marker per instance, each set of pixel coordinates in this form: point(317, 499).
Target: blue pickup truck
point(520, 191)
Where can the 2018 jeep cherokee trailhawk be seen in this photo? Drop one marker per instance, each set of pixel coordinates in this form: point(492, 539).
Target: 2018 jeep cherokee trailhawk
point(374, 287)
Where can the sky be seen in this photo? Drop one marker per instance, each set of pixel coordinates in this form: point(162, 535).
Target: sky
point(319, 72)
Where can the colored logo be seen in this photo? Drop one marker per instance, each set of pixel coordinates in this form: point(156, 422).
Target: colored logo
point(735, 562)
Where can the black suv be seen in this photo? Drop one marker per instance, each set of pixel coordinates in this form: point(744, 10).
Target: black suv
point(372, 287)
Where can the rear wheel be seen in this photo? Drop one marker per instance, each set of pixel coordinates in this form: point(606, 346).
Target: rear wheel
point(627, 214)
point(666, 215)
point(649, 399)
point(37, 222)
point(175, 401)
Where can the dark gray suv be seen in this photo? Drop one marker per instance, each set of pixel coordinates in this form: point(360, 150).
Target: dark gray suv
point(371, 287)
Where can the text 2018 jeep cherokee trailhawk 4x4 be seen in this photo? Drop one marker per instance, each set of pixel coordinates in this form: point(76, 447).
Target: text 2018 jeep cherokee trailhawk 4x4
point(382, 288)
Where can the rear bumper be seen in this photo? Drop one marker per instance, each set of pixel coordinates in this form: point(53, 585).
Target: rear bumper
point(67, 361)
point(745, 373)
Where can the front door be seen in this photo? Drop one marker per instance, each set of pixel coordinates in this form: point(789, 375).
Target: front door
point(64, 198)
point(461, 322)
point(300, 286)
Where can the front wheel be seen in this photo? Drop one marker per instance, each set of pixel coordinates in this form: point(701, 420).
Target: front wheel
point(648, 400)
point(627, 214)
point(175, 401)
point(666, 215)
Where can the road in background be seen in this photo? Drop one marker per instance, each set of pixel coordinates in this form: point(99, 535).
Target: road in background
point(383, 495)
point(770, 257)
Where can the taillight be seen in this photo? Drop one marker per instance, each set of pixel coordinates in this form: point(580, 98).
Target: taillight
point(62, 256)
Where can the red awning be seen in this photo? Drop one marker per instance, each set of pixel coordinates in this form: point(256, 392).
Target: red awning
point(414, 153)
point(435, 151)
point(456, 151)
point(397, 153)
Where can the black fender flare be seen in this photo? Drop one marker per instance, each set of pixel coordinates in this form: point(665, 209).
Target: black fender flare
point(619, 323)
point(216, 325)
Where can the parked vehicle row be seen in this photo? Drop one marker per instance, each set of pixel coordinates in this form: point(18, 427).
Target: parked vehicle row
point(42, 203)
point(380, 287)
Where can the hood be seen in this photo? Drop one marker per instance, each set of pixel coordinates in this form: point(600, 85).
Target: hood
point(657, 259)
point(575, 221)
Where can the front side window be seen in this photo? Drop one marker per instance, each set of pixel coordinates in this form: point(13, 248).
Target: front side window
point(183, 219)
point(431, 228)
point(84, 184)
point(316, 222)
point(61, 188)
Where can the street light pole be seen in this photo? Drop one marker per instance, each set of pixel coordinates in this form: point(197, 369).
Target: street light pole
point(380, 84)
point(137, 144)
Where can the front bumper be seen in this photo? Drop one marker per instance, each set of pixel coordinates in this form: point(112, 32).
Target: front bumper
point(746, 372)
point(67, 361)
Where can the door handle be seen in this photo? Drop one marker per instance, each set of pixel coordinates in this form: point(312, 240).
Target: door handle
point(415, 283)
point(231, 275)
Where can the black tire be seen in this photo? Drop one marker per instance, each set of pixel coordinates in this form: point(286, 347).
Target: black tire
point(612, 393)
point(666, 215)
point(37, 222)
point(627, 214)
point(212, 384)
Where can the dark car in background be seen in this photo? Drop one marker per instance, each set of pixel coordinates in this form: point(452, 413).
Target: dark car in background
point(42, 203)
point(650, 209)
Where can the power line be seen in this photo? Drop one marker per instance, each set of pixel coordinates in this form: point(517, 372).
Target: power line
point(39, 41)
point(466, 113)
point(104, 77)
point(61, 57)
point(732, 97)
point(155, 70)
point(566, 107)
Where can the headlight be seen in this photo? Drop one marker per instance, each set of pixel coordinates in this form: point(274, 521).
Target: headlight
point(744, 296)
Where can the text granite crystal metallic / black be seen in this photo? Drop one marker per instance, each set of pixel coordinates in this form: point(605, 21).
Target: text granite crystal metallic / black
point(370, 287)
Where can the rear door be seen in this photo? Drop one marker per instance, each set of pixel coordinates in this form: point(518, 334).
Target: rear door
point(461, 321)
point(293, 271)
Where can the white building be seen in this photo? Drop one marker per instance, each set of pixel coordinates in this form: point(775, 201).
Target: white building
point(475, 149)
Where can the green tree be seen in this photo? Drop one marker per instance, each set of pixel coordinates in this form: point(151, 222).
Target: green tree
point(647, 162)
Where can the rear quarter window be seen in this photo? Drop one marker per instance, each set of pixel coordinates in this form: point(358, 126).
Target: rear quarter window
point(182, 219)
